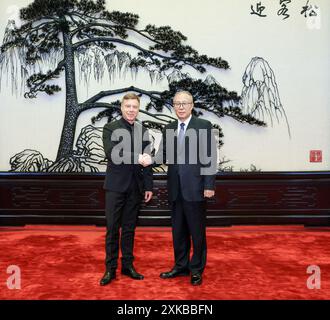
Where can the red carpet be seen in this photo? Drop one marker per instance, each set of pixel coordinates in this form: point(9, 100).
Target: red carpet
point(255, 262)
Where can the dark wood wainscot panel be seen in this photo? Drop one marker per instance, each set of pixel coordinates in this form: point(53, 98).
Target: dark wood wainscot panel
point(241, 198)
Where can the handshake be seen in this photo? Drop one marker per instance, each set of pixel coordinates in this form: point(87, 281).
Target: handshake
point(145, 160)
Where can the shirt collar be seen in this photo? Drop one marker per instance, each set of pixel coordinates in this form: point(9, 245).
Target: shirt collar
point(127, 124)
point(186, 122)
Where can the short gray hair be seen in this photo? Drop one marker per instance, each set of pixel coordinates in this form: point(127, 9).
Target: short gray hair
point(184, 92)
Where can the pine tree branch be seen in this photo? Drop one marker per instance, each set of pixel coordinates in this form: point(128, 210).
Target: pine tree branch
point(102, 94)
point(52, 18)
point(38, 27)
point(88, 25)
point(133, 45)
point(87, 106)
point(36, 31)
point(113, 28)
point(121, 41)
point(82, 17)
point(38, 84)
point(45, 39)
point(73, 20)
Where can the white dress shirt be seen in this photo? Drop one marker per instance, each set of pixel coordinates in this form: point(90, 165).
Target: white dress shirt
point(186, 123)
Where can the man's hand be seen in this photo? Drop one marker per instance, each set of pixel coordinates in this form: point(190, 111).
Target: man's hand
point(209, 193)
point(145, 159)
point(147, 196)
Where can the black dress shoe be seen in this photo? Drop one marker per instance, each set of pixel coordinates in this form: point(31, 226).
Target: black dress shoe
point(196, 279)
point(174, 273)
point(107, 277)
point(131, 272)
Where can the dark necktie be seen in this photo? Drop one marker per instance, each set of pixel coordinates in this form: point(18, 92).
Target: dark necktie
point(181, 138)
point(181, 134)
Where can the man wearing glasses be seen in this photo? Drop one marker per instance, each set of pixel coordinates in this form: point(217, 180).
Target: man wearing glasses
point(191, 159)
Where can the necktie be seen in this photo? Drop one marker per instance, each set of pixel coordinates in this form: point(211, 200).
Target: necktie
point(181, 134)
point(181, 138)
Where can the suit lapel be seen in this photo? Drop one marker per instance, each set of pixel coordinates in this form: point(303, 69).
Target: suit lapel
point(192, 123)
point(174, 125)
point(137, 136)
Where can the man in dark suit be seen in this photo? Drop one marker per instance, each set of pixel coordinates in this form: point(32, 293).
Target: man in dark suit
point(188, 147)
point(124, 141)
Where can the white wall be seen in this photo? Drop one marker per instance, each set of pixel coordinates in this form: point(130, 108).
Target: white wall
point(298, 55)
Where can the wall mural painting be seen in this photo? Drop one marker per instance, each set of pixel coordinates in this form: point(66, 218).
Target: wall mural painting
point(57, 35)
point(260, 96)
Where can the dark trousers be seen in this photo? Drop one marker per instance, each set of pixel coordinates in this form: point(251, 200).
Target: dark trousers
point(121, 209)
point(189, 225)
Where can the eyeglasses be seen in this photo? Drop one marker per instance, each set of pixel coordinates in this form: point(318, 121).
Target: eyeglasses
point(181, 104)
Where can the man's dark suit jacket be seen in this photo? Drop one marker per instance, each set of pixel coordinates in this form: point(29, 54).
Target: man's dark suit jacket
point(119, 176)
point(192, 182)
